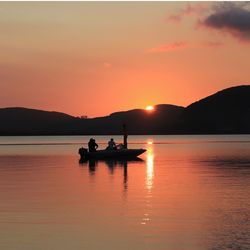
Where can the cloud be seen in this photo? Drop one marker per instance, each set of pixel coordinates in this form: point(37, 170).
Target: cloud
point(195, 9)
point(229, 17)
point(174, 18)
point(167, 47)
point(164, 48)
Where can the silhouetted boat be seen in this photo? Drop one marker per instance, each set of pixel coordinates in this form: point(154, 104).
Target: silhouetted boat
point(113, 154)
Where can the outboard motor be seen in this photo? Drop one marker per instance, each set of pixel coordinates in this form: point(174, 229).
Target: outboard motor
point(82, 152)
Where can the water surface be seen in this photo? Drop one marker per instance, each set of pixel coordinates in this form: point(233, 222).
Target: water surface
point(186, 192)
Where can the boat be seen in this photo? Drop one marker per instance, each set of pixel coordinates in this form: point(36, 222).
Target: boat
point(111, 154)
point(122, 152)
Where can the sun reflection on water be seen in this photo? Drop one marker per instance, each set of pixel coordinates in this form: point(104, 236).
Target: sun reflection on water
point(150, 168)
point(149, 181)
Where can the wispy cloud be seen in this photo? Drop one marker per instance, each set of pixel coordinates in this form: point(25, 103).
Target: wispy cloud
point(164, 48)
point(194, 9)
point(167, 47)
point(174, 18)
point(232, 18)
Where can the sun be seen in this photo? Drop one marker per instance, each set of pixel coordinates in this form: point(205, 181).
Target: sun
point(150, 108)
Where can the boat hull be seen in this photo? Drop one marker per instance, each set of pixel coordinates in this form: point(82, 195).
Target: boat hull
point(112, 154)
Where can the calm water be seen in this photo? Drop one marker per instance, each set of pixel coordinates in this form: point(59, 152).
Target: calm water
point(186, 192)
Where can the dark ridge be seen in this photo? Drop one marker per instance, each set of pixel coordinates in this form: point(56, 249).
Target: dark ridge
point(18, 121)
point(227, 111)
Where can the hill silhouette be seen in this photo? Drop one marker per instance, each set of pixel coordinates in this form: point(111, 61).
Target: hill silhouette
point(227, 111)
point(24, 121)
point(138, 121)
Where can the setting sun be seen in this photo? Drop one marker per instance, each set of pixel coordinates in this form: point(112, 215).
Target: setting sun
point(149, 108)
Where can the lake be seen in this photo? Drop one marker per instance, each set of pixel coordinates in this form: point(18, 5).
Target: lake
point(185, 192)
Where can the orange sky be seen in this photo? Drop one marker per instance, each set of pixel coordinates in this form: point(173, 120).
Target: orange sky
point(94, 58)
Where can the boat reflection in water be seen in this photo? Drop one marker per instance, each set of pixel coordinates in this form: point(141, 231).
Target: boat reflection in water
point(112, 164)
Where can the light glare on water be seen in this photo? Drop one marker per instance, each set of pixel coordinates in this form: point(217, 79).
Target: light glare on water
point(186, 192)
point(150, 167)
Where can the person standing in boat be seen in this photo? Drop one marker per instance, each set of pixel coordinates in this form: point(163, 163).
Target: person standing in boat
point(92, 145)
point(111, 145)
point(125, 136)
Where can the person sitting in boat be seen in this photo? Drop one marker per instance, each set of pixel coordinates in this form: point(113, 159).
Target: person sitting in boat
point(111, 145)
point(92, 145)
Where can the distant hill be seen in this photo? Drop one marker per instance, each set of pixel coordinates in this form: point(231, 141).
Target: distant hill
point(18, 121)
point(227, 111)
point(138, 121)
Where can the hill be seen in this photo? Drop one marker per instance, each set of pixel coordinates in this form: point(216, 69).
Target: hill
point(138, 121)
point(24, 121)
point(227, 111)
